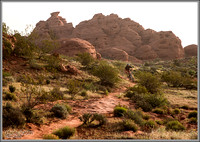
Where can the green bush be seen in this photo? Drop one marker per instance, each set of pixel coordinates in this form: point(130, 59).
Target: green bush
point(159, 122)
point(139, 89)
point(136, 116)
point(50, 136)
point(6, 74)
point(119, 111)
point(185, 107)
point(149, 101)
point(31, 116)
point(88, 118)
point(69, 108)
point(24, 47)
point(10, 96)
point(85, 59)
point(158, 111)
point(65, 132)
point(146, 117)
point(176, 111)
point(149, 81)
point(12, 88)
point(149, 125)
point(84, 93)
point(107, 74)
point(59, 111)
point(189, 83)
point(193, 120)
point(48, 81)
point(57, 94)
point(192, 114)
point(53, 63)
point(74, 87)
point(175, 125)
point(129, 125)
point(7, 50)
point(12, 117)
point(172, 78)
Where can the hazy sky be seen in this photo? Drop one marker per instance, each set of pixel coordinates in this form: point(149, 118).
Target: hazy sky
point(179, 17)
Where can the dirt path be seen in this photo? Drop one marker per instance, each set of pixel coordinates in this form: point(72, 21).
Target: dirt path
point(103, 105)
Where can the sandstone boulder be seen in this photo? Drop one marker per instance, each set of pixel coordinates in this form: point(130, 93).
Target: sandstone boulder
point(190, 50)
point(114, 54)
point(74, 46)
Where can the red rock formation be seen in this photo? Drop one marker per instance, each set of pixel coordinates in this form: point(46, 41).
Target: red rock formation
point(114, 34)
point(145, 52)
point(114, 54)
point(74, 46)
point(191, 50)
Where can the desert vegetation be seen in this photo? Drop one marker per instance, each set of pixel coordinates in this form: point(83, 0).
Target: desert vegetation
point(95, 99)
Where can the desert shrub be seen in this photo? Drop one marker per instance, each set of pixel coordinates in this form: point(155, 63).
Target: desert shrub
point(48, 81)
point(149, 81)
point(149, 101)
point(192, 114)
point(84, 93)
point(31, 116)
point(59, 111)
point(89, 86)
point(185, 107)
point(50, 136)
point(136, 116)
point(139, 89)
point(74, 87)
point(6, 74)
point(159, 122)
point(65, 132)
point(158, 111)
point(149, 125)
point(146, 117)
point(129, 125)
point(172, 78)
point(7, 50)
point(100, 118)
point(174, 125)
point(57, 94)
point(189, 83)
point(107, 74)
point(193, 120)
point(69, 108)
point(176, 111)
point(88, 118)
point(24, 47)
point(12, 88)
point(85, 59)
point(12, 117)
point(28, 113)
point(34, 65)
point(120, 66)
point(119, 111)
point(53, 63)
point(10, 96)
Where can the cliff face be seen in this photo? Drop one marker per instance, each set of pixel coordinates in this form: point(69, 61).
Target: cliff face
point(191, 50)
point(116, 36)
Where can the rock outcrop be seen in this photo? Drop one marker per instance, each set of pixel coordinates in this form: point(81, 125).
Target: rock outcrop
point(113, 36)
point(191, 50)
point(74, 46)
point(53, 28)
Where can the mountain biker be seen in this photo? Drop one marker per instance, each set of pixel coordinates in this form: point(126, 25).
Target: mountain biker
point(128, 71)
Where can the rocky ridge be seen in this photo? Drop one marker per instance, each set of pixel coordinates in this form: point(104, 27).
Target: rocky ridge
point(114, 37)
